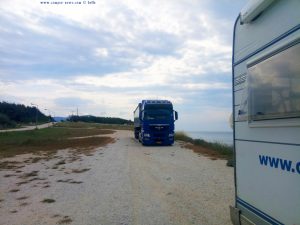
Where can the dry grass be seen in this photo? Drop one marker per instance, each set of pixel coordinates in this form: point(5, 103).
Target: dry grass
point(69, 181)
point(51, 147)
point(24, 204)
point(61, 162)
point(48, 200)
point(10, 165)
point(80, 171)
point(213, 150)
point(205, 151)
point(30, 174)
point(22, 198)
point(9, 175)
point(22, 182)
point(49, 140)
point(94, 125)
point(65, 220)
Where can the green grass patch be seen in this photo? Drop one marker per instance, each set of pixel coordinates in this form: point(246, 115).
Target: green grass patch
point(94, 125)
point(49, 139)
point(218, 150)
point(181, 136)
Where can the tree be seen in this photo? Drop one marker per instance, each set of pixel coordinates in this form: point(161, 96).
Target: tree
point(19, 113)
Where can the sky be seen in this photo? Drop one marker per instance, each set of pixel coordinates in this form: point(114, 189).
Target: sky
point(105, 56)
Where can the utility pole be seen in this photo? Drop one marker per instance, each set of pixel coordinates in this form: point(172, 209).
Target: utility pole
point(72, 116)
point(49, 116)
point(36, 114)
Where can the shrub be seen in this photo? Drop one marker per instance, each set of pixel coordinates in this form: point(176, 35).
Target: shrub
point(5, 122)
point(222, 149)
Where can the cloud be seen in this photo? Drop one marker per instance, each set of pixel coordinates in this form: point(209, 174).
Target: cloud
point(101, 52)
point(108, 56)
point(209, 118)
point(71, 102)
point(206, 86)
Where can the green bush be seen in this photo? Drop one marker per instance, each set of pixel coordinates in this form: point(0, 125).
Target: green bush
point(5, 122)
point(181, 136)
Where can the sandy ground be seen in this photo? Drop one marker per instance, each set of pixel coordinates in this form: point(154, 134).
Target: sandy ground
point(41, 126)
point(122, 183)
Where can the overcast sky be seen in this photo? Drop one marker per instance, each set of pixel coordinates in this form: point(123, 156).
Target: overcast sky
point(106, 57)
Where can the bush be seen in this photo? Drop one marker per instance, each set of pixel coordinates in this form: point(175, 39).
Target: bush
point(223, 149)
point(5, 122)
point(181, 136)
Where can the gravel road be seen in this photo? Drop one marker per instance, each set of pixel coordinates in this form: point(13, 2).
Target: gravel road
point(41, 126)
point(121, 183)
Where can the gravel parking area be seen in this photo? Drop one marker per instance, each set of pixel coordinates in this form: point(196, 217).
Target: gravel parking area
point(121, 183)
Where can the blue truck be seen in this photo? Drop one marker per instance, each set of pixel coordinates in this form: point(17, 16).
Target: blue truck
point(154, 122)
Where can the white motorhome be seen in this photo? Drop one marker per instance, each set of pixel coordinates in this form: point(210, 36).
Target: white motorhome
point(266, 113)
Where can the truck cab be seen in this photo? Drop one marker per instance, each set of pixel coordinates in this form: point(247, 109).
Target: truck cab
point(154, 122)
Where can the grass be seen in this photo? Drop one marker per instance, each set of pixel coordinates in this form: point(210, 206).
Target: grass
point(65, 220)
point(22, 198)
point(212, 149)
point(80, 171)
point(52, 139)
point(181, 136)
point(48, 200)
point(94, 125)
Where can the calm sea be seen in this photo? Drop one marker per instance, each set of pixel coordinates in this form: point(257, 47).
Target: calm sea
point(225, 137)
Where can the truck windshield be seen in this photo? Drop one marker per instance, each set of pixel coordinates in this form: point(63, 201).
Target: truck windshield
point(158, 114)
point(158, 106)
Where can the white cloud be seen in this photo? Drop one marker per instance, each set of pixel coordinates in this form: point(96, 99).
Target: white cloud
point(101, 52)
point(209, 118)
point(149, 49)
point(206, 86)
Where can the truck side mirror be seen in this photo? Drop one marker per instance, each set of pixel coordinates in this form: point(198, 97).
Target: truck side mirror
point(176, 115)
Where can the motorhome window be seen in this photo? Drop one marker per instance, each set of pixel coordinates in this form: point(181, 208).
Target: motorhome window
point(274, 86)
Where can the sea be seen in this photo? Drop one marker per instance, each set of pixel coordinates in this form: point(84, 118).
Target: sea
point(224, 137)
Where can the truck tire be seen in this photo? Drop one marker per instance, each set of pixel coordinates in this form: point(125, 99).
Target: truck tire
point(136, 135)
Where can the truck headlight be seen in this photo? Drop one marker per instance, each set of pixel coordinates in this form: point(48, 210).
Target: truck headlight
point(146, 135)
point(171, 135)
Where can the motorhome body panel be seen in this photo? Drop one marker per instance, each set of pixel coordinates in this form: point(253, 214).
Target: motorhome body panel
point(284, 132)
point(279, 18)
point(268, 178)
point(267, 149)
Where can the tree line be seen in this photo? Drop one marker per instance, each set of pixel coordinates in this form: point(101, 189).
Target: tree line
point(12, 114)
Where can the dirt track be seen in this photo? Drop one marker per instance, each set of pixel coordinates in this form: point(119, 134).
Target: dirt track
point(122, 183)
point(41, 126)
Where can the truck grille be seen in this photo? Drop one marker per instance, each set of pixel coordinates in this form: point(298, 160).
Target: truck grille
point(159, 128)
point(159, 132)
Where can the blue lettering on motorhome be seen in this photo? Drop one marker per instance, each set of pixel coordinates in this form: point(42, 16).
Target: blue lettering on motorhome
point(298, 167)
point(278, 163)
